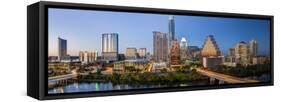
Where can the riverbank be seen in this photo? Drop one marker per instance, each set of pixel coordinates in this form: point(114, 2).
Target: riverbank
point(144, 78)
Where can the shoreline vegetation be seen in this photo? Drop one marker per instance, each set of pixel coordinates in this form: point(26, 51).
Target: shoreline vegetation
point(243, 71)
point(144, 78)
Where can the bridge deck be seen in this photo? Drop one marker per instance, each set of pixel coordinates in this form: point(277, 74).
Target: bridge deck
point(61, 77)
point(224, 77)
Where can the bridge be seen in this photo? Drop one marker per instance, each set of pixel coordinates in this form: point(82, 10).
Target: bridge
point(62, 78)
point(222, 78)
point(57, 80)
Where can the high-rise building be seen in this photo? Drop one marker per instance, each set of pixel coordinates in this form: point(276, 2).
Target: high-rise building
point(171, 34)
point(62, 49)
point(142, 52)
point(231, 52)
point(131, 53)
point(253, 48)
point(171, 28)
point(110, 46)
point(183, 49)
point(210, 47)
point(242, 53)
point(160, 47)
point(194, 52)
point(175, 53)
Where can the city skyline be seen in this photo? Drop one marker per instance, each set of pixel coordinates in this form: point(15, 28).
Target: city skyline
point(85, 34)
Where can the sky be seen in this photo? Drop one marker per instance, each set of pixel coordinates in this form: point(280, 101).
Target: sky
point(83, 30)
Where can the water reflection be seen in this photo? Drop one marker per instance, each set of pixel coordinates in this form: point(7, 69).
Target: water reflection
point(107, 86)
point(102, 86)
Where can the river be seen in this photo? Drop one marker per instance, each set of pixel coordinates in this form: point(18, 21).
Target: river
point(75, 87)
point(107, 86)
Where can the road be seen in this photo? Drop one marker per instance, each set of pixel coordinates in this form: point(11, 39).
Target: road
point(224, 77)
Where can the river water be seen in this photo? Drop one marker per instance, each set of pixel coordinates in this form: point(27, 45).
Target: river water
point(108, 86)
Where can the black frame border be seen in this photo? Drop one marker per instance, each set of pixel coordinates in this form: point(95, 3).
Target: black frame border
point(43, 50)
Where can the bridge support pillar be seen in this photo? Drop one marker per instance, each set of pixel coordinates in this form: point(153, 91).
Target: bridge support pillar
point(212, 81)
point(221, 82)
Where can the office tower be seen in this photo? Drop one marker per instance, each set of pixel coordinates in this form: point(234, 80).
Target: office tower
point(253, 48)
point(142, 52)
point(110, 46)
point(62, 49)
point(210, 47)
point(242, 53)
point(171, 28)
point(183, 49)
point(171, 33)
point(160, 47)
point(131, 53)
point(175, 53)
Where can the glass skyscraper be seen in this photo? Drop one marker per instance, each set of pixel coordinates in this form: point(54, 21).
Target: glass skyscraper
point(171, 28)
point(62, 49)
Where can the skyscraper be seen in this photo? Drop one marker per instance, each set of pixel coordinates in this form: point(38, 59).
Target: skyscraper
point(171, 28)
point(110, 46)
point(183, 49)
point(253, 48)
point(210, 47)
point(160, 46)
point(242, 53)
point(62, 49)
point(171, 32)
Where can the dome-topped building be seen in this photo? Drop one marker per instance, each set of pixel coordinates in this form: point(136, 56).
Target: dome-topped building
point(210, 47)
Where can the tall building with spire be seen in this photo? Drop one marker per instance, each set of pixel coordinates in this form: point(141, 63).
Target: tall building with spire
point(210, 47)
point(171, 28)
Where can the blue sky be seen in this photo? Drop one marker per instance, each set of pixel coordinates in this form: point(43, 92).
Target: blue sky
point(83, 28)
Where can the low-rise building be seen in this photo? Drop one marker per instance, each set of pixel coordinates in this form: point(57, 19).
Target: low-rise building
point(211, 62)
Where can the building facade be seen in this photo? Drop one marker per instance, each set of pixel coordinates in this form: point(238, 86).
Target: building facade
point(242, 53)
point(160, 47)
point(210, 47)
point(211, 62)
point(142, 52)
point(171, 31)
point(110, 46)
point(253, 48)
point(62, 49)
point(88, 57)
point(183, 49)
point(231, 52)
point(194, 52)
point(175, 53)
point(260, 60)
point(131, 53)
